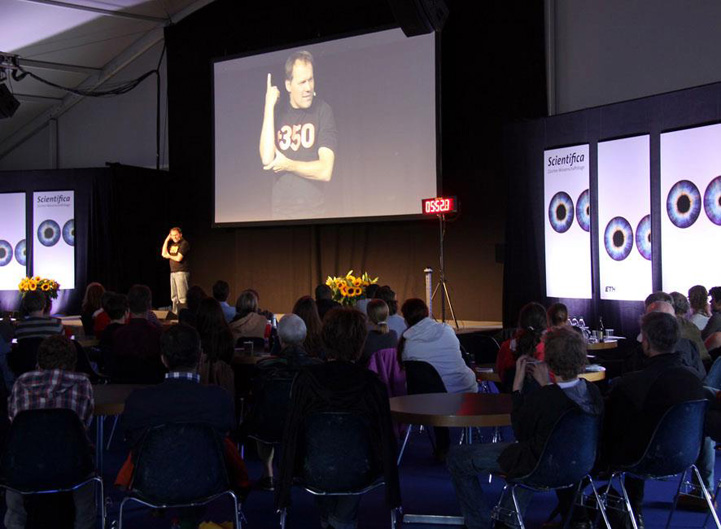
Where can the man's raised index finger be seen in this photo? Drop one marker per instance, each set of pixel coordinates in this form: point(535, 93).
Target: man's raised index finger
point(269, 81)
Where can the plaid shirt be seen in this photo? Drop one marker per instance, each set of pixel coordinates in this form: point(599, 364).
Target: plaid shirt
point(53, 388)
point(183, 375)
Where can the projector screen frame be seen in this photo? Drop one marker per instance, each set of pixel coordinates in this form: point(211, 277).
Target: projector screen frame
point(330, 220)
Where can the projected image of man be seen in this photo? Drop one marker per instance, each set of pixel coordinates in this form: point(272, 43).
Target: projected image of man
point(298, 141)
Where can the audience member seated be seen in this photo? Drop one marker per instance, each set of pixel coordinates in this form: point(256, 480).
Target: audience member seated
point(7, 333)
point(395, 321)
point(531, 321)
point(263, 312)
point(136, 347)
point(221, 291)
point(116, 307)
point(700, 310)
point(307, 309)
point(53, 385)
point(100, 316)
point(324, 300)
point(638, 400)
point(247, 322)
point(180, 398)
point(533, 418)
point(91, 304)
point(557, 315)
point(188, 314)
point(379, 335)
point(37, 322)
point(271, 392)
point(689, 331)
point(362, 304)
point(714, 323)
point(340, 385)
point(217, 344)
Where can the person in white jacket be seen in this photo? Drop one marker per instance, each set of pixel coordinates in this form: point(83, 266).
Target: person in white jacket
point(429, 341)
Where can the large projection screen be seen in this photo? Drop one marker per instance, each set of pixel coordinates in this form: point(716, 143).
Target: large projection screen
point(13, 257)
point(54, 236)
point(691, 208)
point(624, 218)
point(567, 222)
point(350, 135)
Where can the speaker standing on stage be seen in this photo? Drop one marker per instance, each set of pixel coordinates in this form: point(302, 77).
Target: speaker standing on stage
point(176, 249)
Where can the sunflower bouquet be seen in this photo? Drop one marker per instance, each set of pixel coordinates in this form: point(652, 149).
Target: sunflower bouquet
point(49, 286)
point(348, 289)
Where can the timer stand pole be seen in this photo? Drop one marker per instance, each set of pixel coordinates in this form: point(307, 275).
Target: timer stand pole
point(442, 283)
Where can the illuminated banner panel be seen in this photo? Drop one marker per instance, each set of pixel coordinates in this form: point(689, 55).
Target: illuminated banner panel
point(567, 222)
point(54, 236)
point(624, 218)
point(691, 208)
point(12, 240)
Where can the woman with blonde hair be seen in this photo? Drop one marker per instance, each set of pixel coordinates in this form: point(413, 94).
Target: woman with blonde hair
point(379, 335)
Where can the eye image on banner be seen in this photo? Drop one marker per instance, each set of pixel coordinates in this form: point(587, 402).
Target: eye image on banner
point(567, 222)
point(690, 208)
point(12, 240)
point(624, 218)
point(54, 236)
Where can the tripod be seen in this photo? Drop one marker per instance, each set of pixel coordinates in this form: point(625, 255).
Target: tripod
point(442, 283)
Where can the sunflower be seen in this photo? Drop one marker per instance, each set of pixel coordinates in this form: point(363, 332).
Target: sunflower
point(357, 281)
point(33, 285)
point(45, 287)
point(343, 289)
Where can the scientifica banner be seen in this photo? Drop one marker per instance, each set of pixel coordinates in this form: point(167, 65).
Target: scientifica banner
point(13, 263)
point(54, 236)
point(567, 222)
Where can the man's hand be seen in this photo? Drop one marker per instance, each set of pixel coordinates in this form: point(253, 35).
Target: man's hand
point(539, 372)
point(272, 94)
point(520, 377)
point(279, 164)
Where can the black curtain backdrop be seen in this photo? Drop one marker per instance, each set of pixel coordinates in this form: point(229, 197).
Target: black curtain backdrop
point(524, 144)
point(492, 70)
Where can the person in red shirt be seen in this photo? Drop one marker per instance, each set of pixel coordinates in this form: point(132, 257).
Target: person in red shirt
point(526, 341)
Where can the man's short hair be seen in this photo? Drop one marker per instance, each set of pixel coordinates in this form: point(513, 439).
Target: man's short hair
point(292, 329)
point(661, 331)
point(386, 294)
point(57, 352)
point(323, 292)
point(344, 334)
point(565, 352)
point(33, 301)
point(698, 297)
point(221, 290)
point(715, 293)
point(180, 346)
point(117, 306)
point(302, 56)
point(680, 303)
point(557, 314)
point(176, 228)
point(139, 299)
point(657, 296)
point(414, 310)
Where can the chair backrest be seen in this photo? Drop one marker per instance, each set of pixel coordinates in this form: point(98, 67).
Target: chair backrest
point(569, 452)
point(338, 453)
point(179, 464)
point(422, 377)
point(675, 443)
point(271, 402)
point(24, 356)
point(483, 348)
point(46, 450)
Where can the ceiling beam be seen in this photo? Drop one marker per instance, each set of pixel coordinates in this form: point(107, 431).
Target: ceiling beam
point(105, 12)
point(36, 99)
point(44, 65)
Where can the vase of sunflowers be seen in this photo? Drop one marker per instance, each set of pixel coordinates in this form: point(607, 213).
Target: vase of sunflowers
point(348, 289)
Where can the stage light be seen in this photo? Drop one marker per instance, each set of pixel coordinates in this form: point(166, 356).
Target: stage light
point(8, 103)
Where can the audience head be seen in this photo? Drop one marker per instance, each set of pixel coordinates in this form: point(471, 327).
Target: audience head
point(57, 352)
point(92, 300)
point(532, 317)
point(680, 304)
point(291, 330)
point(715, 294)
point(386, 294)
point(565, 352)
point(307, 309)
point(210, 316)
point(658, 296)
point(344, 334)
point(323, 292)
point(139, 300)
point(33, 301)
point(660, 306)
point(378, 314)
point(371, 290)
point(116, 306)
point(247, 302)
point(195, 295)
point(414, 310)
point(698, 298)
point(557, 314)
point(221, 290)
point(105, 298)
point(659, 332)
point(180, 347)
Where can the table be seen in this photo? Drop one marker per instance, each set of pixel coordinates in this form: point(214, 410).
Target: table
point(109, 400)
point(600, 346)
point(487, 373)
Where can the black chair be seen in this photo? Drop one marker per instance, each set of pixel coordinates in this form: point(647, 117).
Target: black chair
point(180, 465)
point(482, 348)
point(338, 458)
point(48, 452)
point(566, 460)
point(673, 449)
point(24, 356)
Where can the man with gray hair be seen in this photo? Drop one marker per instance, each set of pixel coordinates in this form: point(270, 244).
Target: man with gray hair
point(291, 331)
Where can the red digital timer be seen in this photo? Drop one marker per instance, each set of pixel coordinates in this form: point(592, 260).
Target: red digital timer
point(439, 205)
